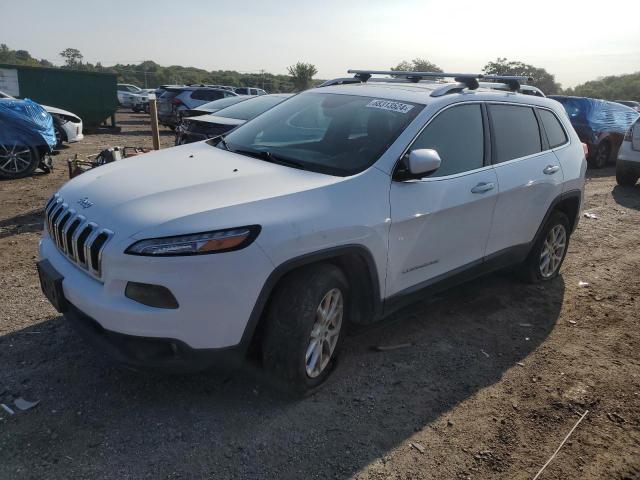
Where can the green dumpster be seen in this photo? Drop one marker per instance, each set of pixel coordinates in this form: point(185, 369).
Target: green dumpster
point(90, 95)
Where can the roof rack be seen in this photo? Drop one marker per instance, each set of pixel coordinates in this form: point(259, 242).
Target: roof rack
point(464, 80)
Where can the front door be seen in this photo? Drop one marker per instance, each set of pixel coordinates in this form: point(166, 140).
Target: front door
point(440, 224)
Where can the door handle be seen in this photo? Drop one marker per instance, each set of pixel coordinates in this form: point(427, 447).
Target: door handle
point(550, 169)
point(483, 187)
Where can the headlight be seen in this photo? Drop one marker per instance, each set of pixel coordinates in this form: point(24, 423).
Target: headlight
point(196, 244)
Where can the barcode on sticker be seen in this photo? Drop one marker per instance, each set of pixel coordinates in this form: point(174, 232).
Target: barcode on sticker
point(389, 105)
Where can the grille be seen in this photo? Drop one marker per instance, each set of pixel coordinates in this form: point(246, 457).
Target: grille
point(80, 240)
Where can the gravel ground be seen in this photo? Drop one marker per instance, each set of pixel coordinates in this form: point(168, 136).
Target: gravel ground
point(497, 375)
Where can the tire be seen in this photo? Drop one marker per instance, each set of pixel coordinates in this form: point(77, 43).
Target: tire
point(601, 156)
point(535, 268)
point(625, 177)
point(59, 135)
point(294, 321)
point(18, 162)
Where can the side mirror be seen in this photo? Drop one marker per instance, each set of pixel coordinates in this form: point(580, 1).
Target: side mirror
point(423, 161)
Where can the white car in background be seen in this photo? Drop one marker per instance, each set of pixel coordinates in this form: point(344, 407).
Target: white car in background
point(628, 164)
point(66, 125)
point(127, 93)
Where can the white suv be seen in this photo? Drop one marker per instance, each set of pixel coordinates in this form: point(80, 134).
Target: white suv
point(335, 207)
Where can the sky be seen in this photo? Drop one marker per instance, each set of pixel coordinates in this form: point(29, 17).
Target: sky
point(576, 40)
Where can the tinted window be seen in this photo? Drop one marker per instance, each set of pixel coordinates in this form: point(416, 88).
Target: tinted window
point(208, 95)
point(515, 130)
point(242, 91)
point(555, 132)
point(323, 132)
point(222, 103)
point(457, 135)
point(251, 108)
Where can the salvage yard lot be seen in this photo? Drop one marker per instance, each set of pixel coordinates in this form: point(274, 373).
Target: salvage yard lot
point(496, 374)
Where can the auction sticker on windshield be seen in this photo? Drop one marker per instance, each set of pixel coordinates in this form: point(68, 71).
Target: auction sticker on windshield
point(389, 105)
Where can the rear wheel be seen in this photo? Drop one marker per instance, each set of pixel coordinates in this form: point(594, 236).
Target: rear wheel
point(600, 157)
point(545, 259)
point(304, 328)
point(625, 177)
point(17, 161)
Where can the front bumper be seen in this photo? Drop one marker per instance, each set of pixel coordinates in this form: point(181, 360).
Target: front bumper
point(150, 353)
point(216, 293)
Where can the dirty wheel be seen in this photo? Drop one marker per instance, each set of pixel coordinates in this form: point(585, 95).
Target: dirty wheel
point(17, 161)
point(601, 156)
point(304, 329)
point(545, 258)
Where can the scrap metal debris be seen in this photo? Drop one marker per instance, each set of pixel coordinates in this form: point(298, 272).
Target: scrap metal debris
point(592, 216)
point(7, 409)
point(418, 447)
point(583, 284)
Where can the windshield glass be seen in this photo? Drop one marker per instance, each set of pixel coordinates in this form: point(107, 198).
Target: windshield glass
point(222, 103)
point(251, 108)
point(328, 133)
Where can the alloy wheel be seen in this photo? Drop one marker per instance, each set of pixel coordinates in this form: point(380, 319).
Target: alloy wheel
point(15, 159)
point(552, 251)
point(325, 332)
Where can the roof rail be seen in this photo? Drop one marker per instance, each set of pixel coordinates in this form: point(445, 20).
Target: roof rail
point(511, 81)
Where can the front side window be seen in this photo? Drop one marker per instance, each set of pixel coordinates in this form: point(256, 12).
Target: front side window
point(553, 129)
point(457, 134)
point(251, 108)
point(329, 133)
point(515, 132)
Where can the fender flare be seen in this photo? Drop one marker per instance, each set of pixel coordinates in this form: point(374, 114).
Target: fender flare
point(307, 259)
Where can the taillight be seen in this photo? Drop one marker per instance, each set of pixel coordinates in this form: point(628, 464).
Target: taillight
point(585, 149)
point(176, 101)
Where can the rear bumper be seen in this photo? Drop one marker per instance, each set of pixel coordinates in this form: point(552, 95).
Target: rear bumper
point(628, 166)
point(628, 155)
point(152, 353)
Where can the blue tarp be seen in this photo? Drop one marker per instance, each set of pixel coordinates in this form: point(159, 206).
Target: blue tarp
point(598, 115)
point(25, 123)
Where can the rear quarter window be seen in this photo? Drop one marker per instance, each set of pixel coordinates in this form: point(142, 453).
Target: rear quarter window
point(515, 132)
point(553, 128)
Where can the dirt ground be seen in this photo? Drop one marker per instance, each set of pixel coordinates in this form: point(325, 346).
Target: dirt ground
point(497, 375)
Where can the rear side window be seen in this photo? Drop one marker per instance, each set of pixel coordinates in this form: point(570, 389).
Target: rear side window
point(515, 132)
point(457, 134)
point(552, 127)
point(208, 95)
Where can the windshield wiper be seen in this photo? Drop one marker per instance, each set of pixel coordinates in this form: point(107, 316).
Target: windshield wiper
point(271, 157)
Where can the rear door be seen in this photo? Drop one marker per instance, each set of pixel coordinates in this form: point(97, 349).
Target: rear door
point(441, 223)
point(529, 174)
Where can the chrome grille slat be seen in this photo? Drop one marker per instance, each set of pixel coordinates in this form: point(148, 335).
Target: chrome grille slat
point(60, 219)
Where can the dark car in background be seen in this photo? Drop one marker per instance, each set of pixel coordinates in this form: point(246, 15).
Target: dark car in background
point(630, 103)
point(174, 100)
point(211, 107)
point(209, 126)
point(600, 124)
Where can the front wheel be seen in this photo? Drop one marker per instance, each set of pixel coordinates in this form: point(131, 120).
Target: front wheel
point(545, 258)
point(304, 328)
point(17, 161)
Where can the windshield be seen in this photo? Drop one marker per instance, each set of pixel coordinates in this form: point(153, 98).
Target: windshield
point(251, 108)
point(222, 103)
point(328, 133)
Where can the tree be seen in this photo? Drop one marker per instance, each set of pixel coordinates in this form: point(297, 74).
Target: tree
point(302, 75)
point(72, 57)
point(540, 77)
point(615, 87)
point(417, 65)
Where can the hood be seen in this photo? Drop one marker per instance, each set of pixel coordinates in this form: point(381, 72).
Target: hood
point(59, 111)
point(215, 119)
point(161, 191)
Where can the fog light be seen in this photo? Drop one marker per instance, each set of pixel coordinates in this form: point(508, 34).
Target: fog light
point(151, 295)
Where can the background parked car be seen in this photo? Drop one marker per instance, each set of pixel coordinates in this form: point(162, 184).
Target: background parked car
point(140, 100)
point(208, 126)
point(211, 107)
point(26, 137)
point(630, 103)
point(176, 99)
point(67, 126)
point(628, 164)
point(599, 124)
point(126, 92)
point(250, 91)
